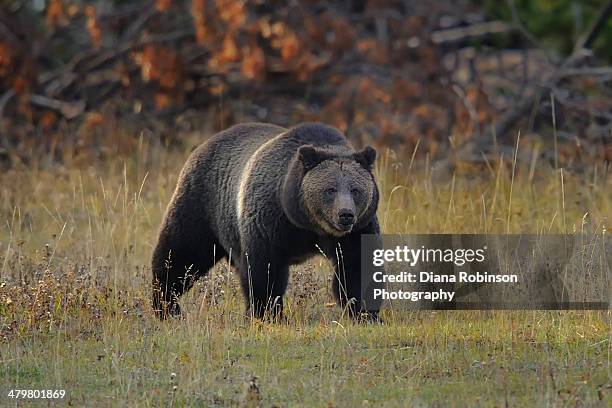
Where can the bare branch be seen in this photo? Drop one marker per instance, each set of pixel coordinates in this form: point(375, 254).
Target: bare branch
point(472, 31)
point(70, 110)
point(587, 39)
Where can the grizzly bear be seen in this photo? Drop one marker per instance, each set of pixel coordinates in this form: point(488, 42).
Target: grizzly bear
point(267, 197)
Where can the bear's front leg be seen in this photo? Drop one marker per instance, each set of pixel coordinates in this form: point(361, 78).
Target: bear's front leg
point(263, 278)
point(347, 282)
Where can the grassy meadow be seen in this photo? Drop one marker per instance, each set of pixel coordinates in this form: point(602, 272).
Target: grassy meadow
point(75, 243)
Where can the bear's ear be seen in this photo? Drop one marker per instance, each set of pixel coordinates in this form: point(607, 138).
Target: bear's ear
point(310, 156)
point(366, 157)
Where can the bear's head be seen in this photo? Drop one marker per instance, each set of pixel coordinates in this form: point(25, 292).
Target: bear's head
point(333, 193)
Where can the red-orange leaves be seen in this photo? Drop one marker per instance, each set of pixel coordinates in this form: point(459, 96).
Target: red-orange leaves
point(93, 26)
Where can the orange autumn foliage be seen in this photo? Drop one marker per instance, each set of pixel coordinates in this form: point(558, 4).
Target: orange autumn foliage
point(232, 12)
point(229, 50)
point(6, 59)
point(93, 26)
point(163, 5)
point(56, 15)
point(198, 13)
point(161, 64)
point(254, 63)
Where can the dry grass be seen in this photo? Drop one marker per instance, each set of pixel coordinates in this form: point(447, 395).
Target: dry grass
point(75, 241)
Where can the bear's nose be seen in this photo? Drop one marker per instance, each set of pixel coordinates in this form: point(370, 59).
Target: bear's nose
point(347, 217)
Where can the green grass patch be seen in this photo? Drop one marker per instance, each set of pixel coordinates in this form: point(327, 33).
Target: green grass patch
point(75, 243)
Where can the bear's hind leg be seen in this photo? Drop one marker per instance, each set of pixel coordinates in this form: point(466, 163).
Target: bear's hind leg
point(176, 268)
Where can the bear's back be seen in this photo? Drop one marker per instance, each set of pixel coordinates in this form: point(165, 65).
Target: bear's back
point(234, 176)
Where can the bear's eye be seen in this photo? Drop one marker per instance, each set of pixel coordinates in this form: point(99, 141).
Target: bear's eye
point(355, 191)
point(331, 191)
